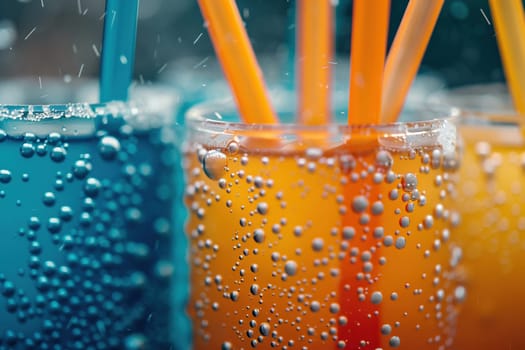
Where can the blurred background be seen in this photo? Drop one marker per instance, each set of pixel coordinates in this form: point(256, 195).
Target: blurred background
point(62, 39)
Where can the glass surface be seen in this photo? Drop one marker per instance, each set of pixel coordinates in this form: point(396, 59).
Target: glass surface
point(320, 237)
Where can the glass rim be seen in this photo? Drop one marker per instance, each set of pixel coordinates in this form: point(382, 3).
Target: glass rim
point(205, 126)
point(149, 107)
point(208, 114)
point(46, 111)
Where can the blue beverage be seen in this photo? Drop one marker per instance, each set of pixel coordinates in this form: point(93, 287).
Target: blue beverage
point(86, 205)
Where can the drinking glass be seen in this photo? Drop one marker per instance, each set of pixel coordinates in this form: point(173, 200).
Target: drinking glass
point(314, 237)
point(87, 207)
point(492, 207)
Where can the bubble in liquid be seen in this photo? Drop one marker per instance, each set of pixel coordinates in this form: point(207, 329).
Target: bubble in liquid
point(92, 187)
point(81, 168)
point(262, 208)
point(376, 298)
point(348, 163)
point(5, 176)
point(54, 225)
point(409, 182)
point(58, 154)
point(359, 204)
point(265, 328)
point(379, 232)
point(234, 296)
point(428, 222)
point(298, 231)
point(254, 289)
point(226, 346)
point(377, 208)
point(334, 308)
point(214, 164)
point(394, 342)
point(460, 293)
point(348, 232)
point(315, 306)
point(384, 159)
point(49, 199)
point(393, 195)
point(258, 235)
point(66, 213)
point(34, 223)
point(27, 150)
point(404, 221)
point(317, 244)
point(108, 147)
point(290, 267)
point(483, 149)
point(233, 147)
point(400, 242)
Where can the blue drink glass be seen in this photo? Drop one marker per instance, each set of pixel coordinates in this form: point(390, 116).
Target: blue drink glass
point(86, 205)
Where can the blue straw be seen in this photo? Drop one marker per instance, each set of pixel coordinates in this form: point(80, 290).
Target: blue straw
point(292, 46)
point(118, 49)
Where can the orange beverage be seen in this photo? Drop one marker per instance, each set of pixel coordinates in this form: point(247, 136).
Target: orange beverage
point(320, 237)
point(492, 229)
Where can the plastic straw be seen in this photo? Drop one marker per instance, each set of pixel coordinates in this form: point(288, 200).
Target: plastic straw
point(368, 49)
point(406, 53)
point(238, 61)
point(314, 40)
point(509, 22)
point(118, 49)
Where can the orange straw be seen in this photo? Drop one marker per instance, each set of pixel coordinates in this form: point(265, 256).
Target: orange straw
point(368, 49)
point(406, 53)
point(238, 61)
point(314, 47)
point(509, 22)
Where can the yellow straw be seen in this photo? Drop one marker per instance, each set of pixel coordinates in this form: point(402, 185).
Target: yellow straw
point(314, 41)
point(406, 53)
point(368, 49)
point(509, 22)
point(238, 61)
